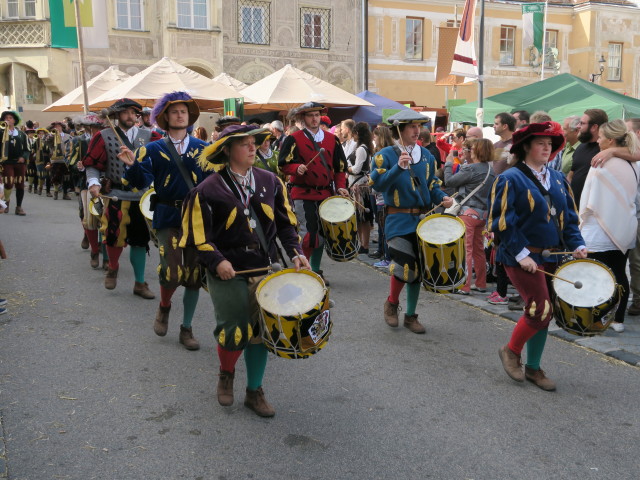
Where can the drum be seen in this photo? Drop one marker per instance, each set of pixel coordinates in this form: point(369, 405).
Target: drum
point(294, 312)
point(442, 252)
point(338, 219)
point(589, 310)
point(147, 213)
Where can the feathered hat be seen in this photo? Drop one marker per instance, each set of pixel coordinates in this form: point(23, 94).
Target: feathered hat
point(307, 107)
point(89, 120)
point(226, 121)
point(157, 114)
point(14, 114)
point(121, 105)
point(213, 157)
point(552, 130)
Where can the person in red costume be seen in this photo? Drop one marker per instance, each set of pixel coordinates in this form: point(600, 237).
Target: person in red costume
point(315, 162)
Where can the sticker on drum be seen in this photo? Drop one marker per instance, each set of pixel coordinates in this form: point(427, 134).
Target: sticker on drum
point(145, 204)
point(290, 294)
point(337, 209)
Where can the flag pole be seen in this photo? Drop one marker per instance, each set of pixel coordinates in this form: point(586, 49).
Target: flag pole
point(83, 78)
point(480, 112)
point(544, 38)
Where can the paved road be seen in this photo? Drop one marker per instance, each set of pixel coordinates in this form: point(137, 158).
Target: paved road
point(89, 392)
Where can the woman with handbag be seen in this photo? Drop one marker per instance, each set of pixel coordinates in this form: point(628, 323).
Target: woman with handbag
point(473, 182)
point(359, 166)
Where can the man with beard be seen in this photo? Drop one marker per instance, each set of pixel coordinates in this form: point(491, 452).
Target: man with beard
point(589, 127)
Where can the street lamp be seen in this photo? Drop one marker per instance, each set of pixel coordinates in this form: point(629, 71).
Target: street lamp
point(593, 76)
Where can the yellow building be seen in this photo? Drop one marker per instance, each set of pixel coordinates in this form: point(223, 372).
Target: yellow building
point(140, 32)
point(403, 46)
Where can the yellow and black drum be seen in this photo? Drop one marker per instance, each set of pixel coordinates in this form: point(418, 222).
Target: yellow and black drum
point(147, 213)
point(442, 252)
point(338, 219)
point(589, 310)
point(294, 312)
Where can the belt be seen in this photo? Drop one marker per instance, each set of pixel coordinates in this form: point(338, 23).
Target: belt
point(412, 211)
point(542, 249)
point(173, 203)
point(252, 247)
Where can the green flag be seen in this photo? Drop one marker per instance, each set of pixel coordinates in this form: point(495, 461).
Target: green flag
point(63, 21)
point(533, 25)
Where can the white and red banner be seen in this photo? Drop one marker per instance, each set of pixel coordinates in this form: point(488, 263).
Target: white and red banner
point(464, 59)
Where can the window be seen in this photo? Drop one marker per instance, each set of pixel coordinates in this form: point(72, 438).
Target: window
point(453, 23)
point(29, 8)
point(615, 62)
point(413, 36)
point(12, 8)
point(550, 48)
point(129, 14)
point(192, 14)
point(315, 28)
point(253, 22)
point(507, 45)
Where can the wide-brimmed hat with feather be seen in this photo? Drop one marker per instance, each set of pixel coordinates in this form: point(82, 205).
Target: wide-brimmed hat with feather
point(552, 130)
point(161, 106)
point(213, 156)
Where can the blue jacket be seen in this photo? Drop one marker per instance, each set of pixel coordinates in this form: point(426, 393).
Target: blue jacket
point(520, 217)
point(399, 190)
point(154, 165)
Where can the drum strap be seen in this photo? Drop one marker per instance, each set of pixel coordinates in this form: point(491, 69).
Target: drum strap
point(414, 179)
point(178, 161)
point(545, 193)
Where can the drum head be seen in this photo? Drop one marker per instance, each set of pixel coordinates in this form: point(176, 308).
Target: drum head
point(290, 293)
point(145, 204)
point(440, 229)
point(336, 209)
point(598, 283)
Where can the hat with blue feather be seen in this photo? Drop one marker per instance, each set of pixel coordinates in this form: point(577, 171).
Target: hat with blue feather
point(161, 106)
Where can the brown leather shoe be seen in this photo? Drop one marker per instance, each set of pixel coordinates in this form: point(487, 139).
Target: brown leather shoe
point(256, 401)
point(161, 324)
point(391, 313)
point(186, 338)
point(411, 322)
point(111, 279)
point(634, 308)
point(142, 290)
point(84, 244)
point(538, 378)
point(20, 211)
point(225, 388)
point(511, 363)
point(95, 260)
point(66, 197)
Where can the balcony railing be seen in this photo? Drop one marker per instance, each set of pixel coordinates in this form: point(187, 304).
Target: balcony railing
point(25, 33)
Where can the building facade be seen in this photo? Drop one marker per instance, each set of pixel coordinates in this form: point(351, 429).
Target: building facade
point(404, 34)
point(323, 39)
point(140, 32)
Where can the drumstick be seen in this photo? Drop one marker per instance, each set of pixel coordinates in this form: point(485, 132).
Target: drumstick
point(274, 267)
point(322, 150)
point(114, 198)
point(437, 206)
point(396, 124)
point(105, 113)
point(367, 210)
point(577, 283)
point(548, 253)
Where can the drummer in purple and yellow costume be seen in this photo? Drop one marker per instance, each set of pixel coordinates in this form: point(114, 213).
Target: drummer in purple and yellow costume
point(405, 175)
point(219, 219)
point(525, 224)
point(173, 113)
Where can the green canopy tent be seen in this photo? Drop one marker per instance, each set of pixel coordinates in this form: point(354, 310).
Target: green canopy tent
point(561, 96)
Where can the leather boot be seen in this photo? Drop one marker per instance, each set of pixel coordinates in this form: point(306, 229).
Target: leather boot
point(634, 308)
point(39, 190)
point(225, 388)
point(187, 339)
point(538, 378)
point(20, 211)
point(111, 279)
point(161, 324)
point(105, 264)
point(411, 322)
point(95, 260)
point(66, 197)
point(511, 363)
point(391, 313)
point(142, 290)
point(84, 244)
point(256, 401)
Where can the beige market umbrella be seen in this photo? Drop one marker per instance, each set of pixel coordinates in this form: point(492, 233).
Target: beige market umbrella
point(74, 101)
point(167, 76)
point(290, 87)
point(229, 81)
